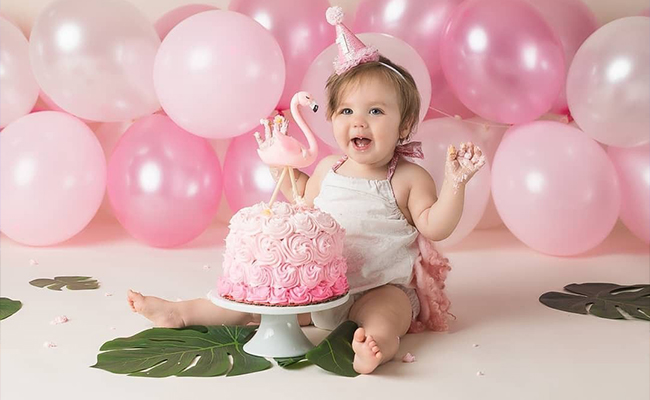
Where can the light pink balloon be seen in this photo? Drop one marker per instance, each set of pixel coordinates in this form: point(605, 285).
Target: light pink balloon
point(502, 60)
point(94, 58)
point(555, 188)
point(444, 102)
point(246, 178)
point(173, 17)
point(573, 22)
point(19, 88)
point(301, 31)
point(633, 167)
point(395, 49)
point(164, 183)
point(420, 24)
point(52, 176)
point(436, 136)
point(218, 72)
point(608, 86)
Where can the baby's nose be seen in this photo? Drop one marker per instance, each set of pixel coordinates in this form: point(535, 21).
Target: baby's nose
point(359, 123)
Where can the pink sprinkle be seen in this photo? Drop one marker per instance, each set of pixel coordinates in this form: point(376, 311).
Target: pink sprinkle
point(408, 358)
point(33, 262)
point(49, 345)
point(62, 319)
point(206, 267)
point(108, 294)
point(480, 373)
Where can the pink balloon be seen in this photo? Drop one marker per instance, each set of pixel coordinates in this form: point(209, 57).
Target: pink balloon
point(555, 188)
point(52, 176)
point(608, 86)
point(173, 17)
point(633, 168)
point(19, 88)
point(444, 102)
point(94, 58)
point(395, 49)
point(164, 183)
point(436, 135)
point(420, 24)
point(502, 60)
point(572, 22)
point(217, 73)
point(301, 31)
point(247, 179)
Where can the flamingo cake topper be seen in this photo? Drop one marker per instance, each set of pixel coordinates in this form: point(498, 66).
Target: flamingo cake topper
point(278, 149)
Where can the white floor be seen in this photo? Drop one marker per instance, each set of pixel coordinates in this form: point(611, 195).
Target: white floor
point(525, 350)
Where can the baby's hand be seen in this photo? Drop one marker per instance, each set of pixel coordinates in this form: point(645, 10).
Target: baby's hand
point(461, 165)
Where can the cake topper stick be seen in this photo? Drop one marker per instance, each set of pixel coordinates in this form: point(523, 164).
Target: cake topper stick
point(281, 150)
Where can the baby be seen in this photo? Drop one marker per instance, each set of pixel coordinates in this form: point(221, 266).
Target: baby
point(387, 205)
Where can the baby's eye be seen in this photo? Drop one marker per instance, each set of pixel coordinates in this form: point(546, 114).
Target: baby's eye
point(346, 111)
point(376, 111)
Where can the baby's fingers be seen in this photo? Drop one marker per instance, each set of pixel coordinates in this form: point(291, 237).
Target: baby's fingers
point(451, 153)
point(477, 154)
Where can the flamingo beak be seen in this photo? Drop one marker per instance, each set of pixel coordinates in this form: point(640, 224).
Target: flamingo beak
point(314, 106)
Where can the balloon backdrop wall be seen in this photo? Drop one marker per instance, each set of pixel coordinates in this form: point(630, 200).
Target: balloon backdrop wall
point(159, 92)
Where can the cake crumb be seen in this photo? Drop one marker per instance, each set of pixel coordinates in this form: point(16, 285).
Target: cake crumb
point(206, 267)
point(49, 345)
point(408, 358)
point(61, 319)
point(112, 328)
point(33, 262)
point(480, 373)
point(108, 294)
point(475, 345)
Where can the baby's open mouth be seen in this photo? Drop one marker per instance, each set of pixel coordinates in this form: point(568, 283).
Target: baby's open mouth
point(361, 143)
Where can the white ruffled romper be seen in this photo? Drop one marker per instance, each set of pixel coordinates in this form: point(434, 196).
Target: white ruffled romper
point(382, 247)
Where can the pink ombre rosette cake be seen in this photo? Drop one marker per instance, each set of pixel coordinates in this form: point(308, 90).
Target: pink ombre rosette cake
point(290, 256)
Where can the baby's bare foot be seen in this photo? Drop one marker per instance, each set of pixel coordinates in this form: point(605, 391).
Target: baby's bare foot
point(367, 355)
point(161, 312)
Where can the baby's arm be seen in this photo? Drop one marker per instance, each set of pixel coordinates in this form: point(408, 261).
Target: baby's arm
point(285, 187)
point(435, 218)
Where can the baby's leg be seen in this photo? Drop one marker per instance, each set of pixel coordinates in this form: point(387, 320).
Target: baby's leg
point(169, 314)
point(384, 315)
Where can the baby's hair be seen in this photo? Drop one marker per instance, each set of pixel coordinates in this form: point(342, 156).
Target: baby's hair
point(400, 78)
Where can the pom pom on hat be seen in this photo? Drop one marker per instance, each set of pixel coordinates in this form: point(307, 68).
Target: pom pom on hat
point(334, 15)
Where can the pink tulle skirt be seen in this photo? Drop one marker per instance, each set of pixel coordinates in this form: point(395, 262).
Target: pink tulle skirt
point(430, 272)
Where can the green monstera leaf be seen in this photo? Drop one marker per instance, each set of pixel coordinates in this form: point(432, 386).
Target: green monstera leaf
point(606, 299)
point(193, 351)
point(9, 307)
point(71, 282)
point(335, 353)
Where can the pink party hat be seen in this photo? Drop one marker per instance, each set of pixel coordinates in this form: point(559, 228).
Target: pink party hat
point(352, 51)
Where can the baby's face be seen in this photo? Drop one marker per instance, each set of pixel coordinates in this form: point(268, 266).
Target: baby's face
point(366, 122)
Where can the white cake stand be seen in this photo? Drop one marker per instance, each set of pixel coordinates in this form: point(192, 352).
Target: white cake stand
point(279, 334)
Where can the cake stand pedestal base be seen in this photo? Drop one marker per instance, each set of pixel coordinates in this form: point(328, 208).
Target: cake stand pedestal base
point(279, 334)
